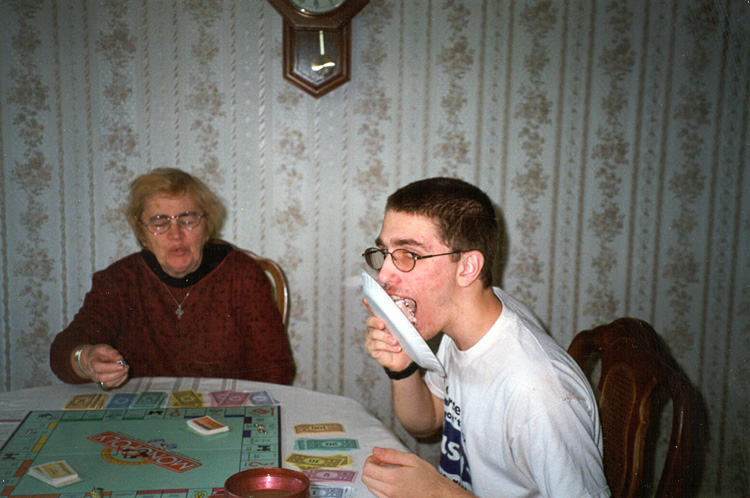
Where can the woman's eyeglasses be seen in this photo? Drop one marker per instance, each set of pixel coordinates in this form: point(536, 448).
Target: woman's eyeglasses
point(161, 223)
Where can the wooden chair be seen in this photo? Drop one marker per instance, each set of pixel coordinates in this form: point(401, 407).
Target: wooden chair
point(635, 366)
point(278, 283)
point(275, 274)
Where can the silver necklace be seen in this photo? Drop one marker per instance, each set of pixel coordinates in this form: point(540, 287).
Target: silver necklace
point(179, 311)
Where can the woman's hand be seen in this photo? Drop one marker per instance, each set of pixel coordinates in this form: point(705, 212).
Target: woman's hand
point(390, 473)
point(382, 345)
point(103, 364)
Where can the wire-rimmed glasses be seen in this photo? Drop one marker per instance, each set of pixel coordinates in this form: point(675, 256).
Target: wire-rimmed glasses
point(402, 259)
point(161, 223)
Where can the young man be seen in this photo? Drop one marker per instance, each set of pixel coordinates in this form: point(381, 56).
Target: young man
point(518, 416)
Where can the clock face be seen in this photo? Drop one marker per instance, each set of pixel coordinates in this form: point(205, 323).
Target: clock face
point(317, 6)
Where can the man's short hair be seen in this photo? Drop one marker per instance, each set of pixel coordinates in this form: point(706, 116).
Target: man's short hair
point(463, 214)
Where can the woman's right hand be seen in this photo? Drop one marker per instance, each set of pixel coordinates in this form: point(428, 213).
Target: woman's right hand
point(100, 364)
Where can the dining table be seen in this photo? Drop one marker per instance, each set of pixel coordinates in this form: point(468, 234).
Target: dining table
point(314, 429)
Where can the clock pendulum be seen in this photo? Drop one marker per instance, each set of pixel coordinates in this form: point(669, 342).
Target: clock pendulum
point(323, 64)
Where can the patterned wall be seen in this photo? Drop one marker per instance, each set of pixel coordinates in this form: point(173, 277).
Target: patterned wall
point(612, 134)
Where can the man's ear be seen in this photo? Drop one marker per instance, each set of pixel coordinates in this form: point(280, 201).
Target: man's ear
point(469, 268)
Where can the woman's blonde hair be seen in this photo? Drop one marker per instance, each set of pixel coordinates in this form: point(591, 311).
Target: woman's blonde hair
point(173, 182)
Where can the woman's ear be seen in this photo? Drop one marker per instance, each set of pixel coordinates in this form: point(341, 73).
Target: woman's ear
point(469, 268)
point(141, 238)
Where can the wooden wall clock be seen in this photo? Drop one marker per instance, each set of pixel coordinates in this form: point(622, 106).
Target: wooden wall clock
point(317, 42)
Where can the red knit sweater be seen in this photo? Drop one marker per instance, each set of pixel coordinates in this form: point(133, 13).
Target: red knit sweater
point(230, 328)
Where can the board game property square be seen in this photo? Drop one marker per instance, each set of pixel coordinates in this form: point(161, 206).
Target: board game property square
point(132, 452)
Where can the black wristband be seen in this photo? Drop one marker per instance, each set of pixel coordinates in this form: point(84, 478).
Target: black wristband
point(406, 372)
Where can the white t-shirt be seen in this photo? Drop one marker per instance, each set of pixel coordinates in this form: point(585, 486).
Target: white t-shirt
point(520, 417)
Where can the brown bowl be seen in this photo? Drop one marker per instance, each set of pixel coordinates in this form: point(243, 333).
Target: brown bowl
point(270, 482)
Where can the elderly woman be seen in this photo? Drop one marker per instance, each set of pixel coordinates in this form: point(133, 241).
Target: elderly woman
point(186, 305)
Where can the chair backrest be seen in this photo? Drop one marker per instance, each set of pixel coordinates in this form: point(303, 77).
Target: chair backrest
point(278, 282)
point(635, 366)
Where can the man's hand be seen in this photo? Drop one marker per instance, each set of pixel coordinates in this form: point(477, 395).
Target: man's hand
point(383, 346)
point(390, 473)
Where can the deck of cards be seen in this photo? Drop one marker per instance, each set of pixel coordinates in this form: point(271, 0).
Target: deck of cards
point(55, 473)
point(207, 426)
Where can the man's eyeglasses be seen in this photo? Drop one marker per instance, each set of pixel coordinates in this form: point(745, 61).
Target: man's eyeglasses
point(161, 223)
point(402, 259)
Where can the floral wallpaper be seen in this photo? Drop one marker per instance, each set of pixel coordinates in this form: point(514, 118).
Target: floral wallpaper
point(612, 134)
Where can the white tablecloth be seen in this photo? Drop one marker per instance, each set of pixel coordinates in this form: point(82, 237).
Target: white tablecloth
point(298, 406)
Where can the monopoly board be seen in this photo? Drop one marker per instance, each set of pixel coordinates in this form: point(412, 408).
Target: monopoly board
point(139, 453)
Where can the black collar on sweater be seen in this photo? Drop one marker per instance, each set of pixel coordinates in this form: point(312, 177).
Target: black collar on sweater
point(213, 254)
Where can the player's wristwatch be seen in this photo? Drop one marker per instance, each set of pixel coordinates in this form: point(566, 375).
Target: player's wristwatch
point(406, 372)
